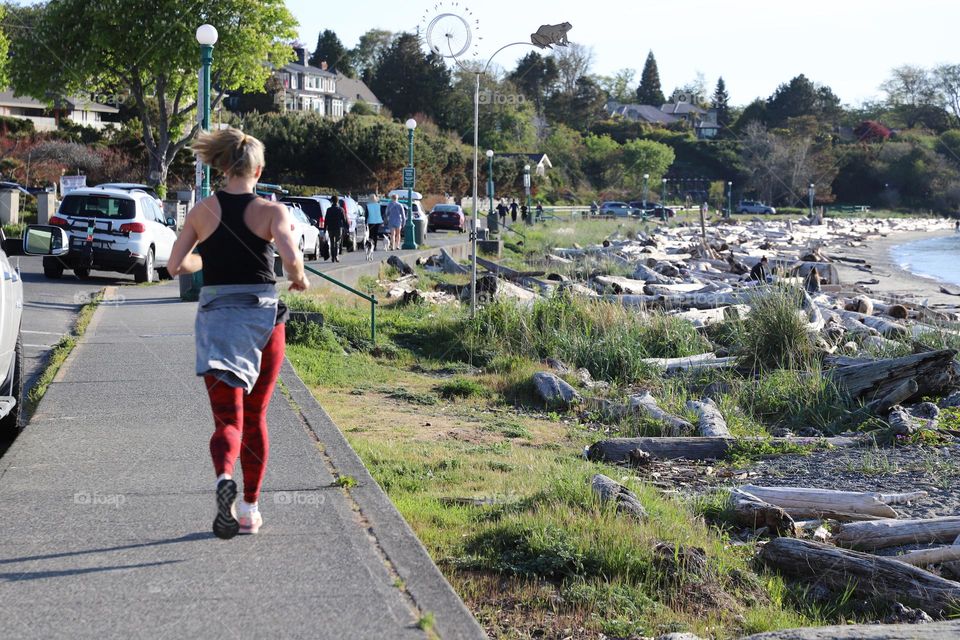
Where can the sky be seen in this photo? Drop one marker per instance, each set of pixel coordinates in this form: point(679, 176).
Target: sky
point(848, 45)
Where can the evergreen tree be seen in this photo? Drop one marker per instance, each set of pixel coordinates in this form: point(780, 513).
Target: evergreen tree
point(535, 76)
point(649, 91)
point(331, 50)
point(721, 102)
point(409, 82)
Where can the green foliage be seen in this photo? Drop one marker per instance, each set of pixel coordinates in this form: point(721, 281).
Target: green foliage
point(744, 452)
point(403, 65)
point(774, 334)
point(792, 399)
point(646, 157)
point(15, 126)
point(461, 387)
point(331, 50)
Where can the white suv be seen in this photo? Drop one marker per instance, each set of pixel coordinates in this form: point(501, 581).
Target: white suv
point(113, 230)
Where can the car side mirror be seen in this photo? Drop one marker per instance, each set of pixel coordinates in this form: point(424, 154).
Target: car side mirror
point(45, 240)
point(172, 223)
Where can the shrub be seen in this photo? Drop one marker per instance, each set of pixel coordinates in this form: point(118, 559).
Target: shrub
point(774, 335)
point(461, 387)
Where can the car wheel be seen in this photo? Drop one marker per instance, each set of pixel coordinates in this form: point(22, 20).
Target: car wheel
point(53, 269)
point(82, 273)
point(144, 272)
point(12, 423)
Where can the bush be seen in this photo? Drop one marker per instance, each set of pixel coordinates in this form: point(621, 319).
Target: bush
point(774, 335)
point(461, 387)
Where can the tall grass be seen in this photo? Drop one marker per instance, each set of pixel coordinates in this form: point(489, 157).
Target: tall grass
point(774, 335)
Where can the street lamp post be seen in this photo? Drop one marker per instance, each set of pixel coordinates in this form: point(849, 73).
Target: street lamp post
point(491, 216)
point(729, 198)
point(663, 200)
point(646, 177)
point(811, 193)
point(526, 186)
point(409, 235)
point(207, 37)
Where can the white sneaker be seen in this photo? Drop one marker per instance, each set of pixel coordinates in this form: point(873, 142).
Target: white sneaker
point(249, 518)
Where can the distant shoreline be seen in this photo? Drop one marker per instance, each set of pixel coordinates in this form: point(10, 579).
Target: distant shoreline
point(895, 281)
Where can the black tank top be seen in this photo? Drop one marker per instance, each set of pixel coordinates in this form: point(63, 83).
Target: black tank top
point(233, 254)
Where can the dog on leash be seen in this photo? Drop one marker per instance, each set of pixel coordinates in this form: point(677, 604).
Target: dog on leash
point(368, 248)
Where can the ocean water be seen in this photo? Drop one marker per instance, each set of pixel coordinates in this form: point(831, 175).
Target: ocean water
point(937, 258)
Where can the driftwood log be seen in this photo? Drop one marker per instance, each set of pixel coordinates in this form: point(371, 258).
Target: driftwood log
point(804, 503)
point(401, 266)
point(750, 511)
point(694, 448)
point(880, 534)
point(646, 405)
point(710, 422)
point(929, 631)
point(872, 379)
point(868, 575)
point(925, 557)
point(619, 285)
point(692, 363)
point(626, 501)
point(900, 393)
point(901, 422)
point(887, 328)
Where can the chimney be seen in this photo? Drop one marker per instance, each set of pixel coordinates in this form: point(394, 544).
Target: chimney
point(301, 55)
point(323, 65)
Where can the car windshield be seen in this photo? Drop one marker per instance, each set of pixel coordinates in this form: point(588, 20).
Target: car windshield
point(96, 206)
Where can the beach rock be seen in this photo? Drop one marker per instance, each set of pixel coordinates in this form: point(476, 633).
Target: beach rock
point(861, 304)
point(951, 401)
point(925, 411)
point(554, 391)
point(905, 615)
point(897, 311)
point(557, 365)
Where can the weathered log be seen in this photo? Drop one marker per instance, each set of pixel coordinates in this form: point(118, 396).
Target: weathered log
point(901, 422)
point(932, 370)
point(803, 503)
point(900, 393)
point(683, 301)
point(554, 391)
point(692, 363)
point(929, 631)
point(619, 285)
point(648, 275)
point(694, 448)
point(925, 557)
point(710, 421)
point(449, 265)
point(880, 534)
point(750, 511)
point(887, 328)
point(507, 272)
point(625, 500)
point(868, 575)
point(646, 405)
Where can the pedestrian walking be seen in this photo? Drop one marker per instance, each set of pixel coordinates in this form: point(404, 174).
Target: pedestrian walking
point(502, 212)
point(396, 218)
point(240, 324)
point(335, 222)
point(539, 211)
point(514, 208)
point(524, 212)
point(374, 222)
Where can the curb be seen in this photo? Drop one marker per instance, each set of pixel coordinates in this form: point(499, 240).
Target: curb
point(424, 582)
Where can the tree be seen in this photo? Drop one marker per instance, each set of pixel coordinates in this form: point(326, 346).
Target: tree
point(617, 86)
point(368, 50)
point(579, 110)
point(912, 95)
point(149, 49)
point(536, 76)
point(801, 97)
point(573, 63)
point(4, 48)
point(871, 131)
point(946, 78)
point(649, 91)
point(408, 81)
point(641, 157)
point(721, 102)
point(331, 50)
point(601, 163)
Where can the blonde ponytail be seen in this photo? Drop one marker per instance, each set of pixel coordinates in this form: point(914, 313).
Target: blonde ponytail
point(230, 151)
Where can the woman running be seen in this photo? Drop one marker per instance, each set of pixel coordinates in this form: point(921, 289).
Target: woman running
point(240, 319)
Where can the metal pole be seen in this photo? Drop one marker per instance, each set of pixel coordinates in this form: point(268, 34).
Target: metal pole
point(663, 200)
point(373, 320)
point(645, 177)
point(476, 217)
point(206, 60)
point(409, 240)
point(526, 185)
point(490, 182)
point(811, 193)
point(729, 199)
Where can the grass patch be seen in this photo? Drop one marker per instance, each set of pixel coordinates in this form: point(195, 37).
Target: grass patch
point(774, 334)
point(461, 387)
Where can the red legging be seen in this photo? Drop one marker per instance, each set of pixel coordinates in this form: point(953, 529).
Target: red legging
point(241, 419)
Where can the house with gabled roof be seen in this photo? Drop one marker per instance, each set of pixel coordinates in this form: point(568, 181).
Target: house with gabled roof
point(45, 117)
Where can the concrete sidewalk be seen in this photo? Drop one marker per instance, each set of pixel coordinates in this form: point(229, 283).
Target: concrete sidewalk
point(108, 500)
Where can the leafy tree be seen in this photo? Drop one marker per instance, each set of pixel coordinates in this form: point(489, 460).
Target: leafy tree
point(578, 110)
point(721, 102)
point(331, 50)
point(408, 81)
point(535, 76)
point(871, 131)
point(149, 49)
point(565, 148)
point(573, 63)
point(649, 91)
point(368, 50)
point(617, 86)
point(266, 101)
point(601, 163)
point(4, 48)
point(946, 78)
point(756, 111)
point(646, 156)
point(912, 95)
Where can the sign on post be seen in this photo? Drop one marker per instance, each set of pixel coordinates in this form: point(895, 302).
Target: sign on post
point(409, 177)
point(71, 183)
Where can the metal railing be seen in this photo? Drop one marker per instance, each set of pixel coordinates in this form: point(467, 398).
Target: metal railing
point(370, 298)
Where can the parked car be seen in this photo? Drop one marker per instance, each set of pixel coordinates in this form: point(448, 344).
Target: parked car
point(752, 206)
point(113, 230)
point(613, 208)
point(314, 206)
point(37, 240)
point(447, 216)
point(132, 186)
point(657, 211)
point(307, 233)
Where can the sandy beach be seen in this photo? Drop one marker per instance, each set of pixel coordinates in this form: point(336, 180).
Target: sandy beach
point(895, 282)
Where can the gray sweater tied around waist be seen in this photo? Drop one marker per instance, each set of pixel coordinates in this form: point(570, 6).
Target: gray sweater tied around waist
point(234, 323)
